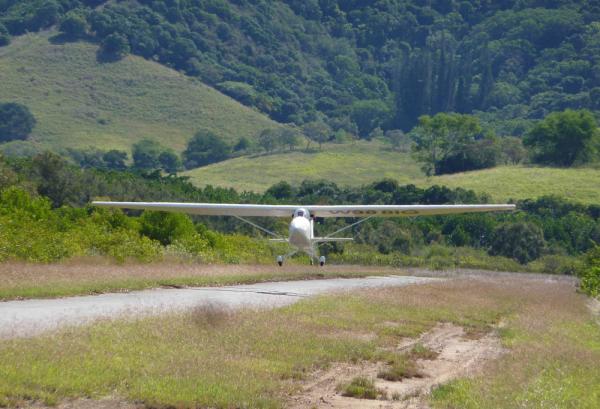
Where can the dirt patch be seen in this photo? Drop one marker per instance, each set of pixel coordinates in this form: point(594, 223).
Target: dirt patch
point(457, 356)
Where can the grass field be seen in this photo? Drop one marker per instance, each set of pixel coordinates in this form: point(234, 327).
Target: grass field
point(79, 102)
point(364, 162)
point(348, 164)
point(217, 358)
point(519, 182)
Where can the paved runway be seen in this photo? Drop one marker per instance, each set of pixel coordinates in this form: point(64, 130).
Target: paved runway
point(32, 317)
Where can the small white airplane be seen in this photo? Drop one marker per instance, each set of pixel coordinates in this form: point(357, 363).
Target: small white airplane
point(301, 231)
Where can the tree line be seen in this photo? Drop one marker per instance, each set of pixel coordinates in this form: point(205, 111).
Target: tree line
point(548, 228)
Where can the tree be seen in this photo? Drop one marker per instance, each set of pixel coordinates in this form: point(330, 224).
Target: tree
point(522, 241)
point(55, 180)
point(205, 148)
point(169, 161)
point(145, 154)
point(288, 137)
point(316, 131)
point(74, 25)
point(115, 46)
point(280, 191)
point(115, 159)
point(512, 151)
point(4, 36)
point(242, 145)
point(16, 122)
point(443, 139)
point(564, 138)
point(399, 140)
point(46, 15)
point(268, 140)
point(368, 115)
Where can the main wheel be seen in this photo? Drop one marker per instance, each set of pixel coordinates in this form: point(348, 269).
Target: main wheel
point(280, 260)
point(322, 261)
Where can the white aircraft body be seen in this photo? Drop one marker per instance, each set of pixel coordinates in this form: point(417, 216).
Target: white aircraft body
point(301, 230)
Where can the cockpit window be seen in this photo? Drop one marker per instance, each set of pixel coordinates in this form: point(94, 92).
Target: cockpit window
point(300, 213)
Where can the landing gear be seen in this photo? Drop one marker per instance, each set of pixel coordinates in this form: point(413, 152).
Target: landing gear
point(280, 260)
point(322, 261)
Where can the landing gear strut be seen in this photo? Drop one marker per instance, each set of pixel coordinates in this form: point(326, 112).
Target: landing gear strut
point(322, 261)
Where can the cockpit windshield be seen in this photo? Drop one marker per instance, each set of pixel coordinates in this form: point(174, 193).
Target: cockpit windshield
point(301, 213)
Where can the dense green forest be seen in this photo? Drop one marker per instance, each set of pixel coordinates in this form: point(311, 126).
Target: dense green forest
point(358, 65)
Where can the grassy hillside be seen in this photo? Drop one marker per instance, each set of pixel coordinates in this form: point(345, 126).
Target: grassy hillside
point(80, 102)
point(518, 182)
point(365, 162)
point(351, 164)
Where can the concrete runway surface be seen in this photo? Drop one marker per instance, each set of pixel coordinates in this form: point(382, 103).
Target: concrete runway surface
point(32, 317)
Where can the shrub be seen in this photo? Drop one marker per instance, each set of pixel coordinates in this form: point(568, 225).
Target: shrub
point(166, 227)
point(361, 388)
point(205, 148)
point(590, 273)
point(522, 241)
point(115, 46)
point(74, 25)
point(16, 122)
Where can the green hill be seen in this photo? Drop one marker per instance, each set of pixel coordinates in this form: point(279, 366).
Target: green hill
point(348, 164)
point(364, 162)
point(519, 182)
point(79, 102)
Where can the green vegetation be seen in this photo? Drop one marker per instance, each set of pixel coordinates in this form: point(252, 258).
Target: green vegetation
point(205, 148)
point(521, 182)
point(347, 164)
point(16, 122)
point(590, 273)
point(80, 102)
point(360, 388)
point(363, 162)
point(551, 361)
point(383, 64)
point(560, 227)
point(399, 367)
point(450, 143)
point(565, 138)
point(215, 358)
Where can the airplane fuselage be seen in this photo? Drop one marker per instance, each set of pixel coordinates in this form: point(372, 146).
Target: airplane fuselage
point(301, 234)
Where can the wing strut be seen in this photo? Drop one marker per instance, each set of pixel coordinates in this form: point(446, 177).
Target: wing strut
point(260, 228)
point(330, 236)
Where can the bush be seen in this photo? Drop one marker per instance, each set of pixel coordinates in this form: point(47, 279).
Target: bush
point(205, 148)
point(166, 228)
point(564, 138)
point(74, 25)
point(16, 122)
point(590, 273)
point(522, 241)
point(4, 36)
point(115, 46)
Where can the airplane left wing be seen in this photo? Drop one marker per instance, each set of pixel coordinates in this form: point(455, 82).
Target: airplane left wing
point(207, 209)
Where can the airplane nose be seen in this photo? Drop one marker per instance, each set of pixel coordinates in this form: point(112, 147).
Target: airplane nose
point(299, 231)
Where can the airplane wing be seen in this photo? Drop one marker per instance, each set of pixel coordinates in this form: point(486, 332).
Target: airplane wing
point(249, 210)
